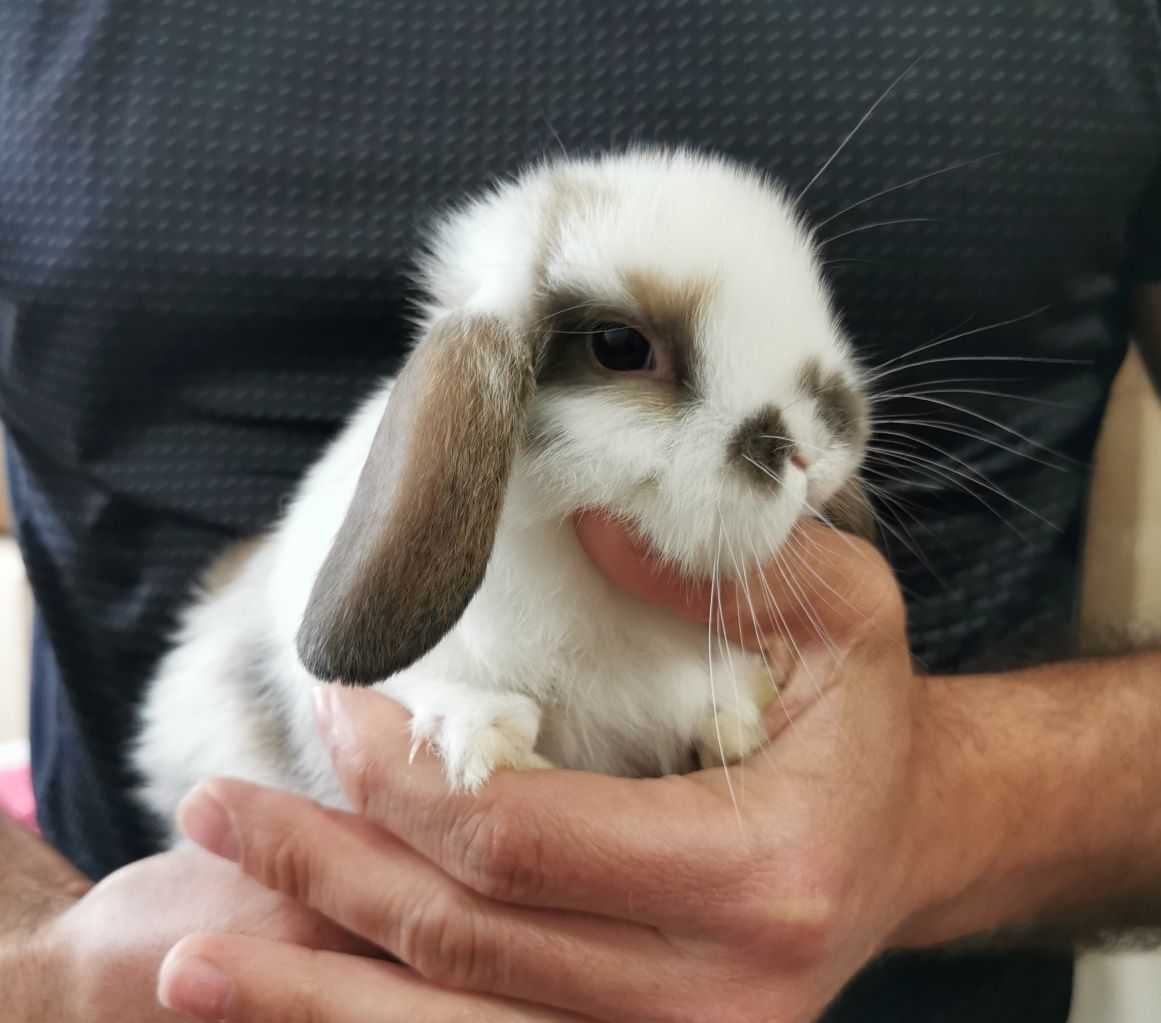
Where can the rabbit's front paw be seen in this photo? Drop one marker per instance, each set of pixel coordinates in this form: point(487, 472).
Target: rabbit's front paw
point(730, 731)
point(482, 733)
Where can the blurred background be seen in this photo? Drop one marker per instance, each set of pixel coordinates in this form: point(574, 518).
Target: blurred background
point(1122, 596)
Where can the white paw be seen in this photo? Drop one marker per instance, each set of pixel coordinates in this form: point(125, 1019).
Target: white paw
point(730, 731)
point(480, 734)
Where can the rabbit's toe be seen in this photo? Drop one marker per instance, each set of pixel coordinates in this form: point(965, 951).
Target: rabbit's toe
point(730, 731)
point(484, 733)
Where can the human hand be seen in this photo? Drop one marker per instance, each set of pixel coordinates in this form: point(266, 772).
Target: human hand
point(97, 960)
point(752, 894)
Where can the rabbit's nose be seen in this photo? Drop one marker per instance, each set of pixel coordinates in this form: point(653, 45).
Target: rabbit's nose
point(798, 459)
point(760, 447)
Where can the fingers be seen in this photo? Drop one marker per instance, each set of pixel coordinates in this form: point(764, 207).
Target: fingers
point(633, 567)
point(562, 839)
point(253, 980)
point(824, 583)
point(371, 883)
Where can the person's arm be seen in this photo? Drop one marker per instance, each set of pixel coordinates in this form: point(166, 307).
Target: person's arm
point(1054, 777)
point(1043, 812)
point(899, 811)
point(74, 953)
point(37, 884)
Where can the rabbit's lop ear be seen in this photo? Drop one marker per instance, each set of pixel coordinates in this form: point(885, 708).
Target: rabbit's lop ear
point(418, 534)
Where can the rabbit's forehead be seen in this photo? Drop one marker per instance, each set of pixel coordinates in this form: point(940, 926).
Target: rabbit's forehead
point(728, 280)
point(760, 338)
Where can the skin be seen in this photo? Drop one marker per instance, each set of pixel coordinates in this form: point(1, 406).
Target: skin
point(84, 952)
point(898, 811)
point(889, 811)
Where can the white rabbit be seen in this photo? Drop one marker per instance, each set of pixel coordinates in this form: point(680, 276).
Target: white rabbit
point(646, 333)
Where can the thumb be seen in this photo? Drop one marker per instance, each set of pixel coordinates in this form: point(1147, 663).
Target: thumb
point(824, 586)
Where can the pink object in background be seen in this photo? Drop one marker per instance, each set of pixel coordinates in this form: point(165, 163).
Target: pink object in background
point(16, 798)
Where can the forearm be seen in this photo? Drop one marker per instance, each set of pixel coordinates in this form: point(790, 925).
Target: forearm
point(1045, 802)
point(35, 880)
point(36, 885)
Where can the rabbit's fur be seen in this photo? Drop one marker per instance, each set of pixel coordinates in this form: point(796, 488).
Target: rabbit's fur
point(501, 426)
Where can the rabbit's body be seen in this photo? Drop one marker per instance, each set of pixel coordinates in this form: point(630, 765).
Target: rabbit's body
point(541, 660)
point(548, 644)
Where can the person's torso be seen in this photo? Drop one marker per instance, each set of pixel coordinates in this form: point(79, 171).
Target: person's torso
point(207, 221)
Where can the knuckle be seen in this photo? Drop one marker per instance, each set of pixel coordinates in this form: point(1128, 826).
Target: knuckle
point(287, 869)
point(282, 858)
point(501, 854)
point(886, 597)
point(878, 588)
point(442, 940)
point(806, 921)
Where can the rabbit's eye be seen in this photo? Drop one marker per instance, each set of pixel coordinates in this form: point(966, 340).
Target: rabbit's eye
point(622, 349)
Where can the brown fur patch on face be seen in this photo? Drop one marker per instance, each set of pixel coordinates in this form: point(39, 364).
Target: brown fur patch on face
point(567, 196)
point(670, 315)
point(760, 447)
point(418, 534)
point(842, 409)
point(673, 312)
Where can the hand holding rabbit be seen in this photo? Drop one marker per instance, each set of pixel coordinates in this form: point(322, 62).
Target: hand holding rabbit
point(752, 895)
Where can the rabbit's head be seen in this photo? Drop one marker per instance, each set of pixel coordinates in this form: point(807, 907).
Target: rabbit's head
point(645, 333)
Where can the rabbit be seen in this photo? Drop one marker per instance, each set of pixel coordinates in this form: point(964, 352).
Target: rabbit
point(645, 332)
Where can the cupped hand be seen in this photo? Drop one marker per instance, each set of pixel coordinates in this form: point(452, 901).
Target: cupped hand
point(104, 951)
point(752, 893)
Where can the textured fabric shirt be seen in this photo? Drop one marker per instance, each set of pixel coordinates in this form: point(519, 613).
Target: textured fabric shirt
point(207, 212)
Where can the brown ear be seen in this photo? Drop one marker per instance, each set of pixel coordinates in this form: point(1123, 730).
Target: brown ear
point(418, 534)
point(851, 511)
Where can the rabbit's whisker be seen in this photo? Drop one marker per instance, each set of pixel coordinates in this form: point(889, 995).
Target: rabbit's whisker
point(960, 430)
point(961, 478)
point(713, 627)
point(960, 335)
point(878, 223)
point(862, 120)
point(907, 184)
point(953, 406)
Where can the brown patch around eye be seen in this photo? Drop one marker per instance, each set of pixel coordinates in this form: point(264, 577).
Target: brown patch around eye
point(568, 365)
point(669, 314)
point(567, 361)
point(842, 409)
point(674, 312)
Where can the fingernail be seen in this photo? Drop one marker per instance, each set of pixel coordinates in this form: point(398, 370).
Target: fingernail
point(205, 820)
point(196, 987)
point(324, 717)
